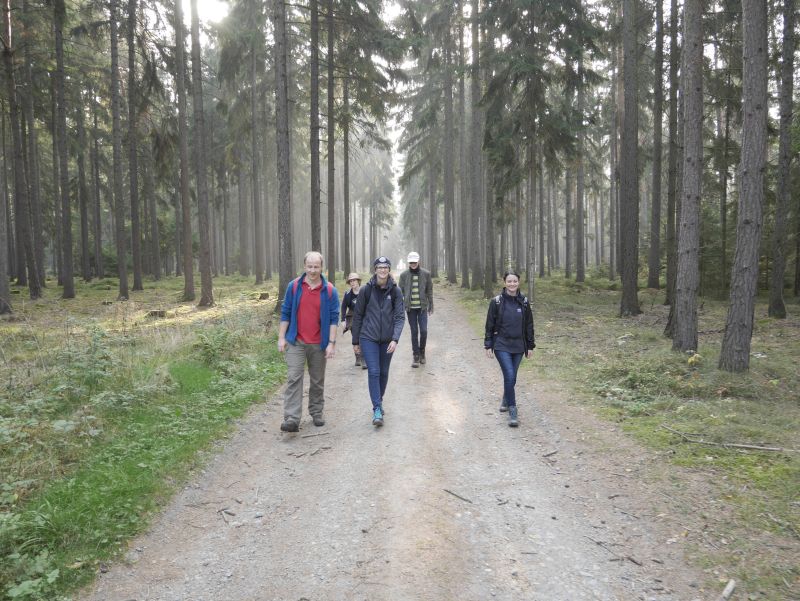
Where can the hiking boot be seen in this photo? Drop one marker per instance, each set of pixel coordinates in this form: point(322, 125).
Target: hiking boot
point(415, 361)
point(503, 406)
point(377, 417)
point(358, 361)
point(289, 426)
point(318, 420)
point(422, 356)
point(512, 417)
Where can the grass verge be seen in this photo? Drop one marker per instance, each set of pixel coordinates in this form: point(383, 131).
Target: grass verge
point(625, 370)
point(105, 413)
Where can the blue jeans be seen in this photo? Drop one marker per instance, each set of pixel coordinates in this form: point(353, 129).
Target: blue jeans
point(378, 360)
point(509, 365)
point(418, 321)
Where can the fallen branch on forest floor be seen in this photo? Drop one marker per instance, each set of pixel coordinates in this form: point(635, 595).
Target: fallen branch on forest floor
point(726, 594)
point(731, 445)
point(457, 496)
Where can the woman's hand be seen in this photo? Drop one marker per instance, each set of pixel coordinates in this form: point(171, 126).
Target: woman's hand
point(489, 353)
point(392, 346)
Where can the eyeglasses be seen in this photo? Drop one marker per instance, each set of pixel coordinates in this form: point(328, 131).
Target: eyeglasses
point(381, 267)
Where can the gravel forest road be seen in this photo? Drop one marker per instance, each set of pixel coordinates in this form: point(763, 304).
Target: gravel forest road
point(444, 502)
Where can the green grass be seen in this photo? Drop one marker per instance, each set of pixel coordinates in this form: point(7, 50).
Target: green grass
point(625, 370)
point(104, 416)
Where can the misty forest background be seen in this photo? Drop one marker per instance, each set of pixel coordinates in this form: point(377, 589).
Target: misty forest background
point(640, 140)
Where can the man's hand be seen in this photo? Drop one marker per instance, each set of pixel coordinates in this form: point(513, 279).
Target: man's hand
point(391, 347)
point(357, 349)
point(489, 353)
point(282, 344)
point(330, 350)
point(430, 311)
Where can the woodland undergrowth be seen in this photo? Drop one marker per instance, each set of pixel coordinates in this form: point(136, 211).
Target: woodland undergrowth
point(105, 408)
point(626, 371)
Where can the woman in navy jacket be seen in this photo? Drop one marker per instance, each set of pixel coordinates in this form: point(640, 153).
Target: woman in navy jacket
point(377, 323)
point(509, 337)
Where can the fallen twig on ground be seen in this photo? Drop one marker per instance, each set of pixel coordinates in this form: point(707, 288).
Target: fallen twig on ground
point(731, 445)
point(457, 496)
point(317, 434)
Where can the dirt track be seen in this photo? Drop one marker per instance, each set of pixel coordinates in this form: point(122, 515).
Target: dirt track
point(444, 502)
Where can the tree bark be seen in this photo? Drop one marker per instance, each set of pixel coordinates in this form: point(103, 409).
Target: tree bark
point(22, 215)
point(580, 212)
point(735, 353)
point(672, 159)
point(687, 278)
point(183, 144)
point(258, 218)
point(629, 181)
point(285, 258)
point(133, 158)
point(777, 308)
point(67, 272)
point(116, 127)
point(331, 191)
point(463, 187)
point(83, 192)
point(346, 242)
point(316, 225)
point(476, 138)
point(97, 223)
point(448, 172)
point(206, 289)
point(654, 252)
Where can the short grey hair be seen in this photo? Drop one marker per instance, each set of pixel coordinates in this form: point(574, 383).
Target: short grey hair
point(311, 253)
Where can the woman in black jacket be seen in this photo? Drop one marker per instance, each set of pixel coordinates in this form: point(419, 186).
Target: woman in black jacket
point(377, 323)
point(509, 337)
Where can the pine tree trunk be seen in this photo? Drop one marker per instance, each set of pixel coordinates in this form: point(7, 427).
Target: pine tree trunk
point(119, 201)
point(97, 223)
point(687, 278)
point(672, 159)
point(83, 192)
point(206, 289)
point(347, 262)
point(463, 188)
point(183, 143)
point(258, 218)
point(67, 272)
point(155, 237)
point(629, 181)
point(5, 247)
point(285, 259)
point(331, 191)
point(530, 252)
point(568, 222)
point(654, 252)
point(244, 223)
point(133, 153)
point(735, 352)
point(580, 217)
point(540, 198)
point(22, 214)
point(33, 150)
point(777, 308)
point(476, 139)
point(316, 225)
point(614, 176)
point(449, 176)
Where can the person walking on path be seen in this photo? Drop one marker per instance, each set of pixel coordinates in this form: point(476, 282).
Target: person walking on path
point(377, 324)
point(348, 306)
point(307, 334)
point(417, 287)
point(509, 337)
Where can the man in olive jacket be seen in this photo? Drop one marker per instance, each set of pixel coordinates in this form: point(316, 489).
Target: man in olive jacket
point(417, 287)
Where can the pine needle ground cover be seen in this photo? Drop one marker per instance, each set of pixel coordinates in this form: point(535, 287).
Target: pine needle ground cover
point(105, 409)
point(625, 370)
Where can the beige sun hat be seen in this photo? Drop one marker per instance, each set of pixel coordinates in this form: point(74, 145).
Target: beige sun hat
point(353, 276)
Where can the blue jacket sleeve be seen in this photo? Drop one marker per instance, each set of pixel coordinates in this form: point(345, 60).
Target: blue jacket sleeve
point(334, 308)
point(286, 307)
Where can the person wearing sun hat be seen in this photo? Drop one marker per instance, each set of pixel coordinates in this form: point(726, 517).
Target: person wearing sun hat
point(417, 287)
point(377, 324)
point(348, 306)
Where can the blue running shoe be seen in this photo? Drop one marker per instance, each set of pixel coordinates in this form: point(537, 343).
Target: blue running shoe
point(377, 417)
